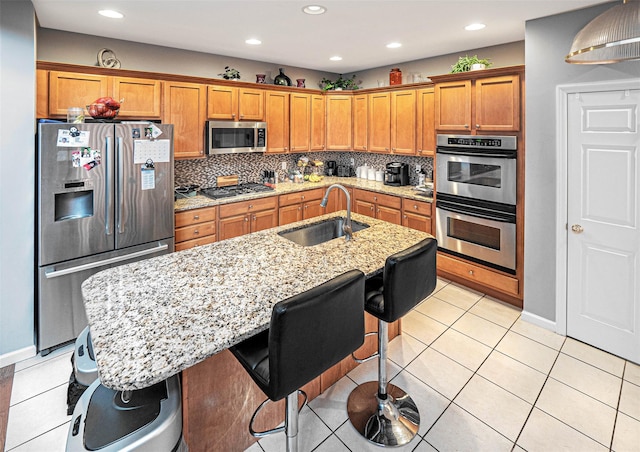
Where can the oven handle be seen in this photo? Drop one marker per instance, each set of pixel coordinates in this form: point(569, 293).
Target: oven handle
point(507, 218)
point(510, 155)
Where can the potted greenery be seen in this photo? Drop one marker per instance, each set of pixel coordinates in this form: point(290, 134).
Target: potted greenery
point(230, 74)
point(467, 63)
point(339, 84)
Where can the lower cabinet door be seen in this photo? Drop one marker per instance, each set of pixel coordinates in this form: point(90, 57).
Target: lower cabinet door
point(289, 214)
point(264, 220)
point(233, 226)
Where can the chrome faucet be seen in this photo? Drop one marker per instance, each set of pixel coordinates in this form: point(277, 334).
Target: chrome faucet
point(347, 226)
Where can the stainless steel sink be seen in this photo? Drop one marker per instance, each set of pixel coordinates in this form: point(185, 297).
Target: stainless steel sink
point(316, 233)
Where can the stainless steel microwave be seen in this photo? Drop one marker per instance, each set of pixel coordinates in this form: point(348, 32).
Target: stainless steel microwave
point(234, 137)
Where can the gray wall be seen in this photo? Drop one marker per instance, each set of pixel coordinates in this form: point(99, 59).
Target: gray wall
point(548, 40)
point(17, 163)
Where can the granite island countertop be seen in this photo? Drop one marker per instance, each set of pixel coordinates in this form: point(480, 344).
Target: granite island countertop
point(154, 318)
point(407, 191)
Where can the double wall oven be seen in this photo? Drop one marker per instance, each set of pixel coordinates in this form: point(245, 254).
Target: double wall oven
point(476, 201)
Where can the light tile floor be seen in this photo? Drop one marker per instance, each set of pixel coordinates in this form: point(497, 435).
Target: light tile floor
point(483, 380)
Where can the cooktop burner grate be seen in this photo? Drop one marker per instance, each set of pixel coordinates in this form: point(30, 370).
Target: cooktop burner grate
point(234, 190)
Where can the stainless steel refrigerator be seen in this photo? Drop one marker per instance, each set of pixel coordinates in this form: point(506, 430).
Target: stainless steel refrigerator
point(104, 198)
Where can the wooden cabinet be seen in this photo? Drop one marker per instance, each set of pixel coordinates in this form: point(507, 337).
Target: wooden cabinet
point(70, 89)
point(301, 205)
point(277, 115)
point(318, 122)
point(339, 122)
point(299, 122)
point(360, 122)
point(417, 215)
point(484, 104)
point(233, 103)
point(195, 227)
point(478, 274)
point(378, 205)
point(379, 122)
point(185, 108)
point(403, 122)
point(426, 130)
point(141, 98)
point(244, 217)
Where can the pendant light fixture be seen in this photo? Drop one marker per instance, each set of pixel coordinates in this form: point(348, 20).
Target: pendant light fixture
point(612, 37)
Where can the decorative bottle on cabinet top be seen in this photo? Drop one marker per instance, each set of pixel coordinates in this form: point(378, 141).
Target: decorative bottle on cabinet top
point(395, 76)
point(282, 79)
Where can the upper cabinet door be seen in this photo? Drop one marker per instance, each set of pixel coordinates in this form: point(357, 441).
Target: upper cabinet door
point(318, 122)
point(277, 110)
point(222, 102)
point(69, 89)
point(453, 105)
point(141, 97)
point(250, 104)
point(339, 121)
point(498, 103)
point(426, 145)
point(300, 122)
point(185, 107)
point(360, 121)
point(403, 122)
point(380, 122)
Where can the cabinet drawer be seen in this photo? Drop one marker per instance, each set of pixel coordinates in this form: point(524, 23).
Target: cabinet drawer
point(195, 216)
point(419, 207)
point(480, 275)
point(195, 242)
point(195, 231)
point(378, 198)
point(301, 196)
point(255, 205)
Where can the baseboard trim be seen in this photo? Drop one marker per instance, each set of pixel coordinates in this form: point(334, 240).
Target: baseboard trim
point(18, 355)
point(539, 321)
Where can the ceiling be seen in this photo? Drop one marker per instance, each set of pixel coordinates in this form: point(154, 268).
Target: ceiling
point(356, 30)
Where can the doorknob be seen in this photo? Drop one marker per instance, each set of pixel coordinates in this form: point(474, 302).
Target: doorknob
point(577, 228)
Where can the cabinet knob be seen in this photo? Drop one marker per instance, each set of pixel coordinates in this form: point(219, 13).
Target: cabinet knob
point(196, 217)
point(246, 219)
point(375, 198)
point(466, 126)
point(415, 206)
point(477, 126)
point(471, 272)
point(386, 149)
point(364, 147)
point(241, 116)
point(301, 196)
point(196, 232)
point(233, 115)
point(250, 206)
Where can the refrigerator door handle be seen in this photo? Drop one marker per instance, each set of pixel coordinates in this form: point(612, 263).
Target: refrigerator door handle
point(79, 268)
point(108, 205)
point(119, 147)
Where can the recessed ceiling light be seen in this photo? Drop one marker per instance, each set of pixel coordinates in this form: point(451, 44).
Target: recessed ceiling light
point(474, 27)
point(336, 58)
point(394, 45)
point(111, 14)
point(314, 9)
point(253, 42)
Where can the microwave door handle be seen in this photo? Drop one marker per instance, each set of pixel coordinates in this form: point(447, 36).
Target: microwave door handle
point(476, 154)
point(464, 211)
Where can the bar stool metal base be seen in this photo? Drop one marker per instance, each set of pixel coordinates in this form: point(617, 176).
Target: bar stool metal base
point(390, 422)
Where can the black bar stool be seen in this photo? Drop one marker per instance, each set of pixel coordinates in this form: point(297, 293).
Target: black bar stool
point(381, 412)
point(308, 334)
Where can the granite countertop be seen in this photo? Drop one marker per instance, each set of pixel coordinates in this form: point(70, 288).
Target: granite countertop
point(408, 191)
point(154, 318)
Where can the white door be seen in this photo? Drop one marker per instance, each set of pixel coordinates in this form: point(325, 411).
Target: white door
point(603, 243)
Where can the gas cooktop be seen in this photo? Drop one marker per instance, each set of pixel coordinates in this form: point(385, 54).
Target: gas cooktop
point(234, 190)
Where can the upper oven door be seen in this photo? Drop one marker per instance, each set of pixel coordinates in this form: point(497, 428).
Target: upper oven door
point(476, 176)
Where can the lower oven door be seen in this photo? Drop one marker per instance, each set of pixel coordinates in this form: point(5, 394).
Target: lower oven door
point(483, 235)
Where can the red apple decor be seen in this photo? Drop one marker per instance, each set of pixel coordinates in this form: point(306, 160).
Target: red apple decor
point(104, 108)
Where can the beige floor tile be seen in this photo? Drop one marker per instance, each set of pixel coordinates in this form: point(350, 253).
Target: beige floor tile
point(53, 440)
point(626, 437)
point(356, 442)
point(538, 334)
point(632, 373)
point(39, 359)
point(41, 377)
point(404, 348)
point(544, 433)
point(441, 283)
point(496, 311)
point(332, 444)
point(480, 329)
point(425, 447)
point(527, 351)
point(459, 296)
point(594, 356)
point(331, 405)
point(369, 371)
point(512, 375)
point(584, 413)
point(630, 400)
point(494, 406)
point(311, 432)
point(588, 379)
point(458, 430)
point(421, 327)
point(462, 349)
point(440, 310)
point(441, 373)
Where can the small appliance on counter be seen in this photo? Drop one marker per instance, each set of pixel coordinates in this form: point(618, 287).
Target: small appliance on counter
point(331, 166)
point(344, 171)
point(396, 174)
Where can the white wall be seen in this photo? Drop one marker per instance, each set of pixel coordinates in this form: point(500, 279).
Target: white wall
point(548, 40)
point(17, 163)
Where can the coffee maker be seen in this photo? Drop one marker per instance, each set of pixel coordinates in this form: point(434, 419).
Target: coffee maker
point(331, 167)
point(397, 173)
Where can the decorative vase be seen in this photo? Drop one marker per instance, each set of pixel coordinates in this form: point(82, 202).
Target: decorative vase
point(478, 67)
point(395, 76)
point(260, 78)
point(300, 82)
point(282, 79)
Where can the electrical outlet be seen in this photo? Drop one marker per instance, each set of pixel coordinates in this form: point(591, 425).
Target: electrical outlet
point(418, 168)
point(284, 165)
point(353, 162)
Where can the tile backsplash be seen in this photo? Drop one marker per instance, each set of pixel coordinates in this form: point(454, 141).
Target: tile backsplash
point(249, 167)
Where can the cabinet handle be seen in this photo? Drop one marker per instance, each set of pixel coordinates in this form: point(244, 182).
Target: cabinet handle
point(196, 217)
